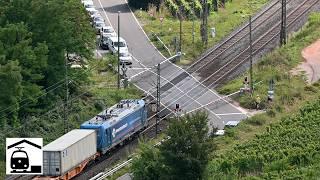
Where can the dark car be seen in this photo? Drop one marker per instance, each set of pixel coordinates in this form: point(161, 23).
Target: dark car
point(104, 42)
point(19, 160)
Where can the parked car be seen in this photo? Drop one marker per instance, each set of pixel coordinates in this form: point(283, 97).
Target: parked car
point(232, 123)
point(107, 31)
point(125, 58)
point(86, 1)
point(113, 44)
point(219, 132)
point(104, 42)
point(93, 15)
point(92, 12)
point(88, 4)
point(98, 25)
point(97, 19)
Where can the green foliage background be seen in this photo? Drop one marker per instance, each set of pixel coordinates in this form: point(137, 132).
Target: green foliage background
point(36, 36)
point(289, 149)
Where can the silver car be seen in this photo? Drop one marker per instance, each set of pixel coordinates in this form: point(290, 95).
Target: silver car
point(125, 58)
point(107, 31)
point(98, 25)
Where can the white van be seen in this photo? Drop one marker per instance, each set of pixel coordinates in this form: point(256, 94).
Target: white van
point(113, 45)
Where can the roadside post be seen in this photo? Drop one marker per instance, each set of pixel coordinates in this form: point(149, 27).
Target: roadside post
point(271, 91)
point(161, 23)
point(213, 32)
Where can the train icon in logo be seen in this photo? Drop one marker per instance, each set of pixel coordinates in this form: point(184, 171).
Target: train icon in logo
point(19, 160)
point(24, 156)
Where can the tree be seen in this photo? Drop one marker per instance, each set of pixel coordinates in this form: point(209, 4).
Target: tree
point(147, 165)
point(215, 5)
point(39, 34)
point(144, 3)
point(17, 46)
point(182, 156)
point(186, 152)
point(11, 92)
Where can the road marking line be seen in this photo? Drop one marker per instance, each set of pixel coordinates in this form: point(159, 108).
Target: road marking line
point(185, 94)
point(105, 13)
point(162, 54)
point(143, 30)
point(175, 64)
point(229, 114)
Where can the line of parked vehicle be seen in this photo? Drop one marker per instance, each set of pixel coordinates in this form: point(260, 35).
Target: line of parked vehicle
point(108, 38)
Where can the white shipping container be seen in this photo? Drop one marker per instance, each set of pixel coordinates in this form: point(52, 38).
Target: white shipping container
point(68, 151)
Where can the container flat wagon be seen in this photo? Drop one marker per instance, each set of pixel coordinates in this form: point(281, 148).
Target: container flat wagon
point(68, 155)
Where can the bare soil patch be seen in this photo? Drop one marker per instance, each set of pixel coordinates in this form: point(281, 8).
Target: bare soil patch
point(311, 64)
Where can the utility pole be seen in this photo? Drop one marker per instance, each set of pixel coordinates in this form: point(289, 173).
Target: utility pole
point(118, 50)
point(193, 18)
point(158, 98)
point(250, 39)
point(180, 39)
point(283, 31)
point(204, 22)
point(66, 124)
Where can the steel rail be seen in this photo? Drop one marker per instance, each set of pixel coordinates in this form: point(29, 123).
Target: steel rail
point(208, 60)
point(261, 38)
point(239, 32)
point(235, 34)
point(235, 58)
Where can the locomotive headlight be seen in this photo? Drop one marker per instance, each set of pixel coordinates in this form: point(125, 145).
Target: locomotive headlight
point(25, 165)
point(13, 165)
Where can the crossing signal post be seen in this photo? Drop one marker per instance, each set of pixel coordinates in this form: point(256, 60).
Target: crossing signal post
point(178, 55)
point(271, 91)
point(124, 75)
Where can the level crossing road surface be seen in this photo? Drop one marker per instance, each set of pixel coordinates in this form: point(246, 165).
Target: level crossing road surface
point(177, 86)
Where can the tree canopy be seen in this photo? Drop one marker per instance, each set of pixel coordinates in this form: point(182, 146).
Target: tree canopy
point(35, 37)
point(184, 155)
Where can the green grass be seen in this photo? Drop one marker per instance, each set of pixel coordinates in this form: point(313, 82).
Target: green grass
point(100, 92)
point(226, 20)
point(291, 92)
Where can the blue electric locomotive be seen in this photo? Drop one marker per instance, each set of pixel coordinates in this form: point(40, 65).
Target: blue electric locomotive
point(117, 123)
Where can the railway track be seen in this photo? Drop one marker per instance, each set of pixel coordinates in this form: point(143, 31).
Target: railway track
point(213, 79)
point(219, 55)
point(214, 54)
point(117, 154)
point(19, 177)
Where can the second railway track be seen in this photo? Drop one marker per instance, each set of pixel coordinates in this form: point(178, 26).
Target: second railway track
point(214, 66)
point(213, 79)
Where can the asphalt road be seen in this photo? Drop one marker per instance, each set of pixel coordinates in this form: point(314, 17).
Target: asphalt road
point(177, 86)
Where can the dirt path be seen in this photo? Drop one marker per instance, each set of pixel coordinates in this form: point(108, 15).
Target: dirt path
point(311, 64)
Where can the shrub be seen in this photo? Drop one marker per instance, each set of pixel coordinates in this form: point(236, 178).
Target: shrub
point(143, 3)
point(310, 89)
point(256, 120)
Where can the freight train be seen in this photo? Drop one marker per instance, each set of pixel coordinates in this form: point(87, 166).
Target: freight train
point(67, 156)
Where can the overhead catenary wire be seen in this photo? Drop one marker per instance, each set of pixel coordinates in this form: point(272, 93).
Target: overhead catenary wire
point(61, 82)
point(200, 83)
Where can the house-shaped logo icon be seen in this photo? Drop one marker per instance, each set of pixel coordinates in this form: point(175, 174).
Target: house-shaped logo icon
point(24, 156)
